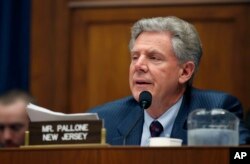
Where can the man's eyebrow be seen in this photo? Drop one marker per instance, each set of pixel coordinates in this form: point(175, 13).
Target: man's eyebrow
point(152, 50)
point(133, 51)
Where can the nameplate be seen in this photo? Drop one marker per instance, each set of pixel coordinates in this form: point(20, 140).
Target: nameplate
point(65, 132)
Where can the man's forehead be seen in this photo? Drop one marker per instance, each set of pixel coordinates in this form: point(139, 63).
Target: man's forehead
point(17, 107)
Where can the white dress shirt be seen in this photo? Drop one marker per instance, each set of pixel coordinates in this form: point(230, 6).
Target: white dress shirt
point(166, 119)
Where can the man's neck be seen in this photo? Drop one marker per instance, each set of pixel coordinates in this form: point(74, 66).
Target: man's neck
point(160, 107)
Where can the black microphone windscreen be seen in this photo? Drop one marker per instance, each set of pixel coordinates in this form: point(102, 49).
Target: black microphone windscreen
point(145, 99)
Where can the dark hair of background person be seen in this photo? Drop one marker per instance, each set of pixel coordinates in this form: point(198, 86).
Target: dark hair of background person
point(11, 96)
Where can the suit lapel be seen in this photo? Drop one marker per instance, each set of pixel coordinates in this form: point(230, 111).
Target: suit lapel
point(130, 127)
point(180, 125)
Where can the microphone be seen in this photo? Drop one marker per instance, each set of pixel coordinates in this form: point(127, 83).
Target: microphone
point(145, 99)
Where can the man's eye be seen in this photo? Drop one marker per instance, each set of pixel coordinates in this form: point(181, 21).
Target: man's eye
point(134, 57)
point(16, 127)
point(2, 127)
point(154, 58)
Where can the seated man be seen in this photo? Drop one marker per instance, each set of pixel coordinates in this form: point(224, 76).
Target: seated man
point(165, 54)
point(14, 120)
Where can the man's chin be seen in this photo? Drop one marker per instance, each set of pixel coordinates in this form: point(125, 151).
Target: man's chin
point(136, 93)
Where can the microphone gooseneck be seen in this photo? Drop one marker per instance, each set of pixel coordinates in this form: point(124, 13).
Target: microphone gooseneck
point(145, 99)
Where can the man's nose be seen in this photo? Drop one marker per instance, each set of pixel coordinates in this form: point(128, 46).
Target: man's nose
point(141, 64)
point(7, 134)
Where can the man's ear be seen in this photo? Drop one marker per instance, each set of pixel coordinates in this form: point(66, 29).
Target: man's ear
point(186, 72)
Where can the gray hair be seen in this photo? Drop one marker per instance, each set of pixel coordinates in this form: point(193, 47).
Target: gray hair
point(185, 39)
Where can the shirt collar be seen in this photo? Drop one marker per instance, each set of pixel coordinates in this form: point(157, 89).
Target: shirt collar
point(167, 118)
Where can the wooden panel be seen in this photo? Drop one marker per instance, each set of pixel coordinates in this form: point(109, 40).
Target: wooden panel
point(114, 155)
point(109, 62)
point(41, 52)
point(133, 3)
point(49, 54)
point(99, 67)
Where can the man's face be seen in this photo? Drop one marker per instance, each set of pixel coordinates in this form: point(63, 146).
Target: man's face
point(154, 66)
point(13, 124)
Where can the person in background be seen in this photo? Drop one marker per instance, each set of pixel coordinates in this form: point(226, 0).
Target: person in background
point(165, 55)
point(14, 120)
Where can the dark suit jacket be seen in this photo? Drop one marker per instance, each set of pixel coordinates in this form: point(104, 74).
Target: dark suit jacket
point(124, 118)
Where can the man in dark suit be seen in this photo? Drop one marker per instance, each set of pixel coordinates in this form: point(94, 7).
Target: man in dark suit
point(165, 54)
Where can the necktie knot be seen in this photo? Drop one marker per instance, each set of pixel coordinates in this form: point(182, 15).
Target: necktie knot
point(155, 128)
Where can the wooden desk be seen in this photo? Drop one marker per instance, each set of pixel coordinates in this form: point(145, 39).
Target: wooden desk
point(119, 155)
